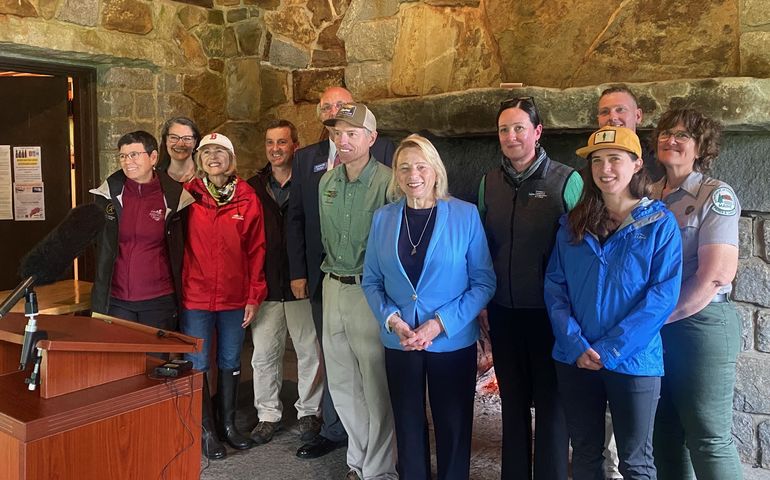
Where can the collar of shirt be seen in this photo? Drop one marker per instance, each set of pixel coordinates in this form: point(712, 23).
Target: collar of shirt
point(366, 176)
point(332, 154)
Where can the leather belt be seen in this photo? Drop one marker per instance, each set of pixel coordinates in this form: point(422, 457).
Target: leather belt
point(347, 280)
point(721, 298)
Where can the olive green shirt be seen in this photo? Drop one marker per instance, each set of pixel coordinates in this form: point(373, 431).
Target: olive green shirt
point(346, 209)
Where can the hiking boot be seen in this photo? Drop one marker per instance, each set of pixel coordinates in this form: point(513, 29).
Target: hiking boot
point(264, 432)
point(309, 427)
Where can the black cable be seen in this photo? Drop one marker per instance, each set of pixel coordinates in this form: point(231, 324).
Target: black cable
point(177, 397)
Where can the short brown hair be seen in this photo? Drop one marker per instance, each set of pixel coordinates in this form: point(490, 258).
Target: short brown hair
point(706, 132)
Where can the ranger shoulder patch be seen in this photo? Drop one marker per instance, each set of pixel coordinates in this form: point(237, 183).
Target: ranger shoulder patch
point(723, 200)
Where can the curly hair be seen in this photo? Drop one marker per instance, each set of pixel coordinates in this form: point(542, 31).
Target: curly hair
point(706, 132)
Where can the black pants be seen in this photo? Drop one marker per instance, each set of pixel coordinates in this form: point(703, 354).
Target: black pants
point(633, 401)
point(451, 386)
point(331, 428)
point(522, 341)
point(160, 312)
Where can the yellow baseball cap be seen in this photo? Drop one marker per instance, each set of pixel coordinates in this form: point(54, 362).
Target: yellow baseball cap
point(621, 138)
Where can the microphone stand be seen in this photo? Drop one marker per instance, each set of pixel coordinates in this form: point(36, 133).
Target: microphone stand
point(31, 336)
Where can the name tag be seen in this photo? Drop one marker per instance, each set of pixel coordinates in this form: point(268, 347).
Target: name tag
point(319, 168)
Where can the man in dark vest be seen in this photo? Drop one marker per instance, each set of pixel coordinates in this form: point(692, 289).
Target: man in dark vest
point(305, 250)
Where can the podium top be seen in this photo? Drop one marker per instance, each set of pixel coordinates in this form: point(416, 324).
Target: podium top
point(104, 334)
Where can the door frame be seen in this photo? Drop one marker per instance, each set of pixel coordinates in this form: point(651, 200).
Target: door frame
point(85, 139)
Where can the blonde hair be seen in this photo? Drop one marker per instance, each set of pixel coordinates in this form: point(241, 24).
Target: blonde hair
point(232, 170)
point(431, 156)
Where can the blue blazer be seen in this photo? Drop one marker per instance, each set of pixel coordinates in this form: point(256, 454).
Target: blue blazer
point(457, 279)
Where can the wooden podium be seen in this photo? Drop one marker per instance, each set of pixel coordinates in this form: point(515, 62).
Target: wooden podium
point(97, 412)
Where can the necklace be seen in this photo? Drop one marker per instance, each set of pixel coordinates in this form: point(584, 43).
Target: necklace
point(409, 234)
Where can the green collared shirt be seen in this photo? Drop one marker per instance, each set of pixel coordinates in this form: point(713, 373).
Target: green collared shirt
point(346, 209)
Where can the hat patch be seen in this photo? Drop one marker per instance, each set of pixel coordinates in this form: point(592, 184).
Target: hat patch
point(346, 111)
point(723, 200)
point(604, 136)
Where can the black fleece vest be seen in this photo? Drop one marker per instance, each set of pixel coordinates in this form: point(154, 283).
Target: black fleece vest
point(521, 225)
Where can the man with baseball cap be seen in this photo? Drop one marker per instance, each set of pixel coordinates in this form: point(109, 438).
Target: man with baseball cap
point(355, 359)
point(306, 251)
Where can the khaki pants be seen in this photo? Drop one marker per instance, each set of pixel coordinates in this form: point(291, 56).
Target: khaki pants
point(268, 333)
point(355, 364)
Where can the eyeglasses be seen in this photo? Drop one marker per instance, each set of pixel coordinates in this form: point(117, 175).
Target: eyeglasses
point(176, 138)
point(680, 136)
point(327, 107)
point(122, 157)
point(210, 152)
point(514, 102)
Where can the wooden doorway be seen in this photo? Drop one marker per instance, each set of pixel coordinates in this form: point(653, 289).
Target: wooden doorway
point(54, 107)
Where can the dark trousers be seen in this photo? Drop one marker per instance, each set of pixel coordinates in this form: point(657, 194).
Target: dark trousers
point(693, 428)
point(632, 399)
point(451, 387)
point(522, 341)
point(332, 428)
point(158, 312)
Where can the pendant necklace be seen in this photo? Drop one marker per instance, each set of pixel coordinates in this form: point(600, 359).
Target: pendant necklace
point(409, 234)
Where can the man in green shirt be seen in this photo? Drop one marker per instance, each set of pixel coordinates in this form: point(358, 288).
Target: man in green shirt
point(348, 195)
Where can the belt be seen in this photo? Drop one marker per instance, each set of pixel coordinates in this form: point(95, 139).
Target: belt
point(721, 298)
point(347, 280)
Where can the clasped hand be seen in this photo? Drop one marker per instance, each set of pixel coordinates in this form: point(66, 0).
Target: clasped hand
point(418, 339)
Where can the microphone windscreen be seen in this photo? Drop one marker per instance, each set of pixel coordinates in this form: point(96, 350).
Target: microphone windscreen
point(51, 257)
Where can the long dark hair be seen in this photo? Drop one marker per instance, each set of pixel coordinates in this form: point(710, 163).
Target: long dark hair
point(164, 159)
point(590, 213)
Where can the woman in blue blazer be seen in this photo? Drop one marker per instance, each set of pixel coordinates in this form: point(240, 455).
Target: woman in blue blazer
point(427, 274)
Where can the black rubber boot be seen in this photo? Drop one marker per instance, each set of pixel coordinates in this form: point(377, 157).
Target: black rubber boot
point(227, 393)
point(210, 445)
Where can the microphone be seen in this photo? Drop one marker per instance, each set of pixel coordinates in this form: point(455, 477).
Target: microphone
point(52, 256)
point(48, 260)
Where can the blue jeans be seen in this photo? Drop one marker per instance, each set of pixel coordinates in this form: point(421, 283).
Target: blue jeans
point(230, 335)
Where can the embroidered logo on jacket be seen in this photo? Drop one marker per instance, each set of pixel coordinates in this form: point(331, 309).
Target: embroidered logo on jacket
point(538, 194)
point(319, 168)
point(724, 201)
point(156, 215)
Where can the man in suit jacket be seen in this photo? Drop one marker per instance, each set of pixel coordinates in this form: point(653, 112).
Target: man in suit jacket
point(305, 250)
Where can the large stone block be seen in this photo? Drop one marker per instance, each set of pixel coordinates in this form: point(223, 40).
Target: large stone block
point(372, 40)
point(47, 8)
point(216, 65)
point(310, 84)
point(21, 8)
point(248, 142)
point(211, 39)
point(754, 13)
point(249, 35)
point(207, 90)
point(765, 239)
point(129, 16)
point(746, 312)
point(126, 77)
point(274, 83)
point(293, 23)
point(463, 56)
point(755, 54)
point(745, 237)
point(752, 283)
point(763, 331)
point(110, 132)
point(745, 437)
point(330, 49)
point(229, 42)
point(764, 443)
point(80, 12)
point(613, 39)
point(362, 10)
point(743, 164)
point(192, 16)
point(243, 89)
point(237, 15)
point(752, 383)
point(114, 103)
point(367, 81)
point(145, 106)
point(190, 47)
point(284, 54)
point(303, 116)
point(328, 58)
point(321, 10)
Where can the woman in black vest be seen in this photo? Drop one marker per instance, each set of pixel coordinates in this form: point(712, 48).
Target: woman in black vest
point(521, 202)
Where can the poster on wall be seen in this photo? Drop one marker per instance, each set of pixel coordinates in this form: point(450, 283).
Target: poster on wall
point(29, 201)
point(6, 193)
point(26, 165)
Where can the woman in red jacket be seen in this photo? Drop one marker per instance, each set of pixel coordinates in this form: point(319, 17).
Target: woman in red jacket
point(222, 278)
